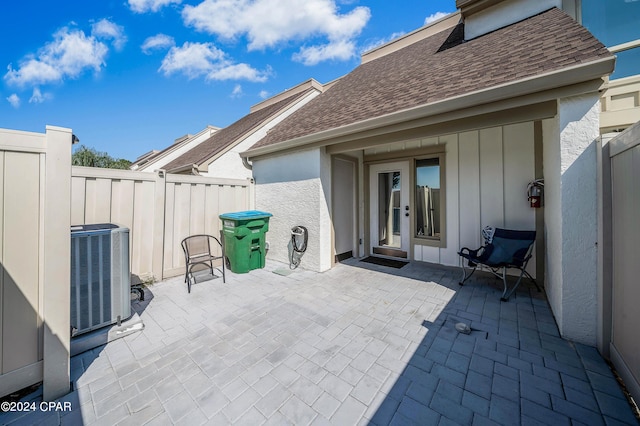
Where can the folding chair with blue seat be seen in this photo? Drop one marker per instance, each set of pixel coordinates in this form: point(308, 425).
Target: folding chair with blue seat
point(505, 249)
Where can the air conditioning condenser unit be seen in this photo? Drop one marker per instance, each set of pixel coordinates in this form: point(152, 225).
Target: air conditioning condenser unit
point(100, 276)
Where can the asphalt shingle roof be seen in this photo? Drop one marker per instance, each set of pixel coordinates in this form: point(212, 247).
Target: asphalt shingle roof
point(233, 133)
point(444, 66)
point(155, 155)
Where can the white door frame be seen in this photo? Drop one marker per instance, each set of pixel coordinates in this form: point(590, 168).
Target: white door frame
point(374, 171)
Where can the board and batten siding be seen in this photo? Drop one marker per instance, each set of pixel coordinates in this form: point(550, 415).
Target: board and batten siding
point(487, 172)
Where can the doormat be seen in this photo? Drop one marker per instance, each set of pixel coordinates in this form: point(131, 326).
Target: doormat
point(384, 262)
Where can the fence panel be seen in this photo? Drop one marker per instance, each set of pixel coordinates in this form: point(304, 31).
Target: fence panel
point(34, 249)
point(625, 200)
point(196, 204)
point(117, 196)
point(159, 210)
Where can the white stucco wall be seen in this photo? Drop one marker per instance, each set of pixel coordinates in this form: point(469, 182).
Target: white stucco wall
point(295, 188)
point(503, 14)
point(229, 164)
point(571, 216)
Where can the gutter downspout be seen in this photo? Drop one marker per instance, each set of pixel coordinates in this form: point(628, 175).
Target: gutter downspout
point(246, 164)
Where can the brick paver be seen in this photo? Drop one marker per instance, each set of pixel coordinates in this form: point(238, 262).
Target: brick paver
point(359, 344)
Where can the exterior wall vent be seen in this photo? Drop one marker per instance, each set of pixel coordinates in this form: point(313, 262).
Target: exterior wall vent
point(100, 276)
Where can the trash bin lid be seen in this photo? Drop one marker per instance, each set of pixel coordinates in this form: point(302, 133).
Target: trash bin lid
point(248, 214)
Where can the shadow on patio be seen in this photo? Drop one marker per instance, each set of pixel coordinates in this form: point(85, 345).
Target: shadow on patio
point(359, 344)
point(513, 368)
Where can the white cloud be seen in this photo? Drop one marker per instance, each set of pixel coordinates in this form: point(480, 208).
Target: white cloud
point(157, 42)
point(264, 94)
point(69, 54)
point(205, 60)
point(228, 71)
point(237, 91)
point(269, 23)
point(33, 71)
point(14, 100)
point(434, 17)
point(341, 51)
point(192, 59)
point(109, 30)
point(38, 97)
point(142, 6)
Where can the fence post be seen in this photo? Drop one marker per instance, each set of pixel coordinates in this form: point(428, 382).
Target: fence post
point(159, 207)
point(57, 263)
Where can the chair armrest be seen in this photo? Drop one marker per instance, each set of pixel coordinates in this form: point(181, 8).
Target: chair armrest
point(469, 253)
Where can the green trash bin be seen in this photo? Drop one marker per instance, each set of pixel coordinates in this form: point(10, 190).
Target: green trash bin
point(244, 239)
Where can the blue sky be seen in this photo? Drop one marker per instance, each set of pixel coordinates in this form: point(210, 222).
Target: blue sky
point(129, 76)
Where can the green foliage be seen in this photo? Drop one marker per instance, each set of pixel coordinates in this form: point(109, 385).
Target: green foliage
point(89, 157)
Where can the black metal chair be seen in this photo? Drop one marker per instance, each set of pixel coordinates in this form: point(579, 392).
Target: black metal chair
point(506, 249)
point(202, 250)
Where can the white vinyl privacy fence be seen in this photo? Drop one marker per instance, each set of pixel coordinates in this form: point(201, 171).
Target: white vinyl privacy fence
point(625, 211)
point(41, 196)
point(159, 209)
point(34, 260)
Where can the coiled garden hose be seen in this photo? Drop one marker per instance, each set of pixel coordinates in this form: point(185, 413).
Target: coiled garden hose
point(297, 245)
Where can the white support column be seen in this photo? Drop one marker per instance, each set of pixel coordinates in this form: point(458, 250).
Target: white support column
point(57, 261)
point(571, 216)
point(326, 225)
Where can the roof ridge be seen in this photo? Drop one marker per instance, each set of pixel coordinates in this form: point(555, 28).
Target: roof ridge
point(305, 85)
point(422, 73)
point(209, 148)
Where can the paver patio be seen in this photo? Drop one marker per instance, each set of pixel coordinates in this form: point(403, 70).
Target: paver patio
point(359, 344)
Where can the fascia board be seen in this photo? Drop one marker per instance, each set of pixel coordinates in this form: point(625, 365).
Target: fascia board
point(542, 82)
point(162, 155)
point(204, 162)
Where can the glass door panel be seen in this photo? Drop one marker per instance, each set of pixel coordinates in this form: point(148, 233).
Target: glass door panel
point(389, 209)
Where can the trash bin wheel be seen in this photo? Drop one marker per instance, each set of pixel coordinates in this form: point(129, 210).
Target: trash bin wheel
point(227, 263)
